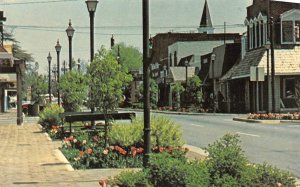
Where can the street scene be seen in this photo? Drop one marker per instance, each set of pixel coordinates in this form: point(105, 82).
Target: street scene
point(150, 93)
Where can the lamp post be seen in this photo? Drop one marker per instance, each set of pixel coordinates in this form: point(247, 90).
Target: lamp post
point(146, 82)
point(49, 58)
point(70, 32)
point(213, 58)
point(186, 63)
point(58, 49)
point(272, 64)
point(267, 46)
point(119, 56)
point(92, 5)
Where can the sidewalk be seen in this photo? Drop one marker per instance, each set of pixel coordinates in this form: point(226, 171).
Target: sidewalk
point(29, 158)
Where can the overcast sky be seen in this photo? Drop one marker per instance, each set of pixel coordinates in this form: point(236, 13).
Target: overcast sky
point(47, 21)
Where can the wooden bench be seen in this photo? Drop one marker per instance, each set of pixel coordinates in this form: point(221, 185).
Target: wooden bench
point(70, 117)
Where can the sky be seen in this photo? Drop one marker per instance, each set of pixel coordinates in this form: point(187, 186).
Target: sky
point(38, 24)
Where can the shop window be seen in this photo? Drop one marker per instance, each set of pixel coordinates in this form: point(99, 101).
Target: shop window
point(289, 85)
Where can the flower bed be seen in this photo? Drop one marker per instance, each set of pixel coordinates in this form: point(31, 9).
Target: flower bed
point(275, 116)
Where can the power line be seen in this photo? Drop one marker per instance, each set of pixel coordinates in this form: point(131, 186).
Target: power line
point(37, 2)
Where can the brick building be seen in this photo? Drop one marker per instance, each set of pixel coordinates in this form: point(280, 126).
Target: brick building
point(257, 96)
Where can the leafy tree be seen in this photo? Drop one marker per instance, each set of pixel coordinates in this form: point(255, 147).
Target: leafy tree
point(130, 57)
point(18, 52)
point(73, 86)
point(177, 89)
point(194, 89)
point(107, 78)
point(153, 93)
point(38, 88)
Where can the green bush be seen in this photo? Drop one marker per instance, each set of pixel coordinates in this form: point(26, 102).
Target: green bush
point(267, 175)
point(226, 158)
point(228, 166)
point(164, 133)
point(126, 135)
point(166, 171)
point(50, 116)
point(133, 179)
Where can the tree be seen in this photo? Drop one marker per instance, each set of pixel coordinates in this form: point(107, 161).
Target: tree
point(38, 88)
point(177, 89)
point(194, 90)
point(153, 93)
point(130, 57)
point(18, 52)
point(107, 79)
point(73, 86)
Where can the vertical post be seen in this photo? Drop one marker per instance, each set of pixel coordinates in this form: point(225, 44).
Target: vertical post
point(213, 77)
point(92, 15)
point(19, 94)
point(70, 53)
point(268, 80)
point(2, 18)
point(272, 65)
point(147, 128)
point(257, 91)
point(49, 83)
point(58, 77)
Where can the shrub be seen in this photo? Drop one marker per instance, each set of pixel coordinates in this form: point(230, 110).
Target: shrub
point(226, 158)
point(164, 133)
point(133, 179)
point(126, 135)
point(267, 175)
point(166, 171)
point(50, 116)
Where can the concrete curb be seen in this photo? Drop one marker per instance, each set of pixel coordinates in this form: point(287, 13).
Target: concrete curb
point(196, 150)
point(181, 113)
point(257, 121)
point(61, 157)
point(265, 121)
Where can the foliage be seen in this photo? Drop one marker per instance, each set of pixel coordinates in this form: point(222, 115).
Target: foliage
point(177, 89)
point(165, 171)
point(73, 86)
point(164, 133)
point(194, 89)
point(50, 116)
point(39, 87)
point(274, 116)
point(226, 157)
point(130, 57)
point(266, 175)
point(126, 135)
point(153, 93)
point(107, 78)
point(228, 166)
point(18, 52)
point(133, 179)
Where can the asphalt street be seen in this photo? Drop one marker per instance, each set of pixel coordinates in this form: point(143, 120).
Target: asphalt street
point(276, 144)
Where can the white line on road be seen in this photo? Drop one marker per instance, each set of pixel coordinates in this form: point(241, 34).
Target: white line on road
point(246, 134)
point(196, 125)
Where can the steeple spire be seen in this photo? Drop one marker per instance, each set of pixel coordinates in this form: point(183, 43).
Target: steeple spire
point(206, 23)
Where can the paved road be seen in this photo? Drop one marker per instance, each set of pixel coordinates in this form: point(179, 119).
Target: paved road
point(275, 144)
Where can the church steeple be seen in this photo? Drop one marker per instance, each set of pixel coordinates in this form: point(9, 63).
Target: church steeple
point(206, 23)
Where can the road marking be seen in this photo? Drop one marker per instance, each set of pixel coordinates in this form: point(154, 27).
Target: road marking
point(294, 126)
point(196, 125)
point(246, 134)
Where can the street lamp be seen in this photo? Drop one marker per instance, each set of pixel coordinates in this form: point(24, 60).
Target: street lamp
point(271, 22)
point(186, 63)
point(92, 5)
point(146, 82)
point(213, 58)
point(70, 32)
point(268, 46)
point(58, 49)
point(49, 58)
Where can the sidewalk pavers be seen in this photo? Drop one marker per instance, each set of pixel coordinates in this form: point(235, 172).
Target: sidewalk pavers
point(29, 158)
